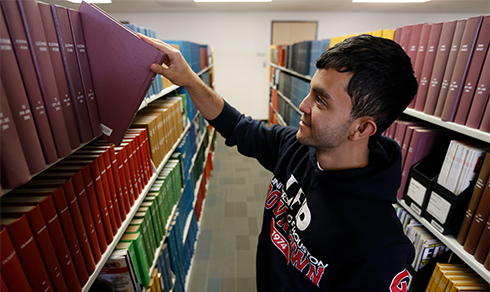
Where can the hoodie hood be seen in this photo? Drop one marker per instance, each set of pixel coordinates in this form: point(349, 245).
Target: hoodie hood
point(378, 181)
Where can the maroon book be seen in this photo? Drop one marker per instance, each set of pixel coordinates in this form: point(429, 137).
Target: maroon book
point(485, 121)
point(461, 67)
point(24, 59)
point(59, 73)
point(480, 97)
point(68, 51)
point(19, 104)
point(440, 62)
point(12, 271)
point(479, 221)
point(36, 39)
point(420, 55)
point(428, 65)
point(15, 171)
point(474, 71)
point(85, 73)
point(118, 93)
point(451, 62)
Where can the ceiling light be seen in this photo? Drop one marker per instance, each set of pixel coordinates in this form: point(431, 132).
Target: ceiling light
point(232, 1)
point(390, 1)
point(91, 1)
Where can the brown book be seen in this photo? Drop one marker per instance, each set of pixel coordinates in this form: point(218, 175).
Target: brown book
point(485, 120)
point(85, 73)
point(479, 220)
point(28, 251)
point(15, 171)
point(24, 59)
point(480, 97)
point(19, 104)
point(36, 39)
point(474, 71)
point(461, 67)
point(428, 65)
point(68, 51)
point(475, 199)
point(420, 55)
point(486, 264)
point(12, 270)
point(483, 245)
point(442, 54)
point(59, 73)
point(449, 70)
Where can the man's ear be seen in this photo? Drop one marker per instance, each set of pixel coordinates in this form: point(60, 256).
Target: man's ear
point(363, 127)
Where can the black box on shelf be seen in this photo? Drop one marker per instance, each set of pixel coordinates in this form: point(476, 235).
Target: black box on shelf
point(419, 185)
point(445, 210)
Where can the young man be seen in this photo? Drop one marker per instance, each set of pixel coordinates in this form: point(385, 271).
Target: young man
point(329, 223)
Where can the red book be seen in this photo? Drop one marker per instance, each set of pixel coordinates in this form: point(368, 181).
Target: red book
point(442, 53)
point(483, 245)
point(26, 247)
point(44, 199)
point(449, 70)
point(12, 271)
point(479, 221)
point(59, 73)
point(3, 284)
point(124, 167)
point(405, 33)
point(461, 67)
point(15, 171)
point(24, 59)
point(85, 73)
point(36, 39)
point(68, 51)
point(474, 71)
point(480, 97)
point(419, 55)
point(413, 43)
point(428, 65)
point(119, 94)
point(19, 104)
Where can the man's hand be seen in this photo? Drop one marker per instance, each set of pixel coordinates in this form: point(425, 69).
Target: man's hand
point(174, 66)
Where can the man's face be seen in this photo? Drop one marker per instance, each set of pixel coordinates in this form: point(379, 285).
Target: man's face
point(326, 120)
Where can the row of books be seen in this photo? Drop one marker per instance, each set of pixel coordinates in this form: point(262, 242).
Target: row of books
point(461, 165)
point(474, 233)
point(61, 222)
point(279, 107)
point(427, 247)
point(451, 63)
point(163, 120)
point(455, 278)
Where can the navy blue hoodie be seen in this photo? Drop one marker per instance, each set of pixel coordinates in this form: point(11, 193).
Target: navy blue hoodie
point(333, 230)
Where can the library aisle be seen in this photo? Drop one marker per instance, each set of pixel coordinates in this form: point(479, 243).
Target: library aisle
point(230, 224)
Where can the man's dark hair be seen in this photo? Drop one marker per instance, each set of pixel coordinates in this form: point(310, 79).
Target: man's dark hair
point(383, 82)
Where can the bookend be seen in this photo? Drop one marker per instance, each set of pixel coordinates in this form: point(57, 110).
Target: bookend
point(445, 210)
point(419, 186)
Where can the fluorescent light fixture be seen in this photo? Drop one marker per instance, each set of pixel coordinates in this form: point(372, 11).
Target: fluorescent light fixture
point(91, 1)
point(390, 1)
point(232, 1)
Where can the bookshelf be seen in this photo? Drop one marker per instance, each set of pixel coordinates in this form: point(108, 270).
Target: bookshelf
point(282, 64)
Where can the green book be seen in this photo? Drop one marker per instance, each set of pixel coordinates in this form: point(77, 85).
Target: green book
point(139, 250)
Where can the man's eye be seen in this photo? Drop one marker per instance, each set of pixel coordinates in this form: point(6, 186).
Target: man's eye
point(319, 101)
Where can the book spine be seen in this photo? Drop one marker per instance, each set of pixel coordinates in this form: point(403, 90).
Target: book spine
point(40, 231)
point(36, 38)
point(461, 68)
point(15, 171)
point(84, 66)
point(474, 71)
point(29, 255)
point(87, 215)
point(60, 245)
point(112, 206)
point(59, 74)
point(478, 222)
point(68, 52)
point(12, 270)
point(97, 213)
point(81, 232)
point(482, 247)
point(70, 234)
point(19, 105)
point(108, 180)
point(480, 97)
point(24, 59)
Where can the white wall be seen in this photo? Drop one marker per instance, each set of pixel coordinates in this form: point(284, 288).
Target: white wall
point(241, 43)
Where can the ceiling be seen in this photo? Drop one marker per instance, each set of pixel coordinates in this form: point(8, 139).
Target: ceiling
point(434, 6)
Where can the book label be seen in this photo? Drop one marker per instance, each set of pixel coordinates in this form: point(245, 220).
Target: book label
point(438, 207)
point(416, 191)
point(106, 130)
